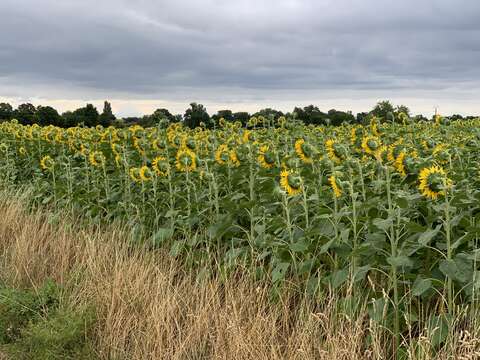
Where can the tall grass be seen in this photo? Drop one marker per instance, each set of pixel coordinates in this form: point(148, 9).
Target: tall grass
point(150, 306)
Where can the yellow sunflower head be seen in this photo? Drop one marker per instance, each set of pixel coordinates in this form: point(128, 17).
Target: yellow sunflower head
point(337, 190)
point(22, 151)
point(222, 154)
point(234, 160)
point(291, 182)
point(371, 144)
point(186, 160)
point(96, 158)
point(399, 164)
point(335, 151)
point(304, 151)
point(266, 158)
point(161, 166)
point(47, 163)
point(394, 150)
point(145, 173)
point(433, 182)
point(135, 174)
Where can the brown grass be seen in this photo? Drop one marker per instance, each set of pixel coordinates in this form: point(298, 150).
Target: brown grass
point(149, 307)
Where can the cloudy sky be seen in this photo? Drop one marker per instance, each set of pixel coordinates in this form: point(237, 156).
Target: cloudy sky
point(241, 54)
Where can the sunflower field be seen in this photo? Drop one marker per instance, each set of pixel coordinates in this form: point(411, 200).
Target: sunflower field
point(390, 204)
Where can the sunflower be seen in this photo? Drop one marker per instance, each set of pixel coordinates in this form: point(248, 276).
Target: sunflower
point(355, 132)
point(145, 173)
point(332, 151)
point(433, 181)
point(291, 182)
point(399, 163)
point(371, 144)
point(234, 160)
point(186, 160)
point(159, 144)
point(374, 127)
point(334, 185)
point(135, 175)
point(161, 166)
point(304, 151)
point(22, 151)
point(394, 150)
point(96, 158)
point(222, 154)
point(47, 163)
point(266, 158)
point(246, 136)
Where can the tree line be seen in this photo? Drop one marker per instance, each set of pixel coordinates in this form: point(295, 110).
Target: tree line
point(197, 115)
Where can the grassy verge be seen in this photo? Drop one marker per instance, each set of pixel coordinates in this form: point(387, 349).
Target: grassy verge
point(73, 291)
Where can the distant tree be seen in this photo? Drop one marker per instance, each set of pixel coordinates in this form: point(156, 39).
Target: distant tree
point(310, 115)
point(402, 109)
point(159, 116)
point(69, 119)
point(106, 118)
point(269, 113)
point(6, 112)
point(196, 115)
point(340, 117)
point(25, 113)
point(225, 114)
point(88, 116)
point(418, 118)
point(362, 117)
point(47, 115)
point(456, 117)
point(382, 109)
point(129, 121)
point(242, 117)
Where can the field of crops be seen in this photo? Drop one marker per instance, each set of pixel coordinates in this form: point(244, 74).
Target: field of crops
point(389, 207)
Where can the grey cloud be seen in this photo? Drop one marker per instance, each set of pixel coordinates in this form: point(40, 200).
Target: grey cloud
point(148, 48)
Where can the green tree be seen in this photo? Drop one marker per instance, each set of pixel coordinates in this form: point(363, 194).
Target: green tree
point(106, 118)
point(336, 117)
point(310, 115)
point(402, 109)
point(88, 116)
point(225, 114)
point(196, 115)
point(25, 113)
point(242, 117)
point(383, 109)
point(47, 115)
point(269, 113)
point(6, 112)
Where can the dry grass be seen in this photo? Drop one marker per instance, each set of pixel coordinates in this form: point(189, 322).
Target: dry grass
point(148, 307)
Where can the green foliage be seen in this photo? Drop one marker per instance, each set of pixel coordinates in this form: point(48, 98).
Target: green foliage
point(19, 307)
point(196, 115)
point(33, 326)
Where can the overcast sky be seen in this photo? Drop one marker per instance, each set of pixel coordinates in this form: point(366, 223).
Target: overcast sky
point(241, 54)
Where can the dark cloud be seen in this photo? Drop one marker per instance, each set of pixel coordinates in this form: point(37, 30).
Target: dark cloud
point(149, 48)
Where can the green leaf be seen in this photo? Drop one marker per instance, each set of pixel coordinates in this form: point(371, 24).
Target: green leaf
point(459, 269)
point(400, 261)
point(420, 286)
point(299, 246)
point(339, 277)
point(428, 235)
point(361, 272)
point(382, 224)
point(162, 235)
point(279, 272)
point(438, 328)
point(378, 309)
point(176, 248)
